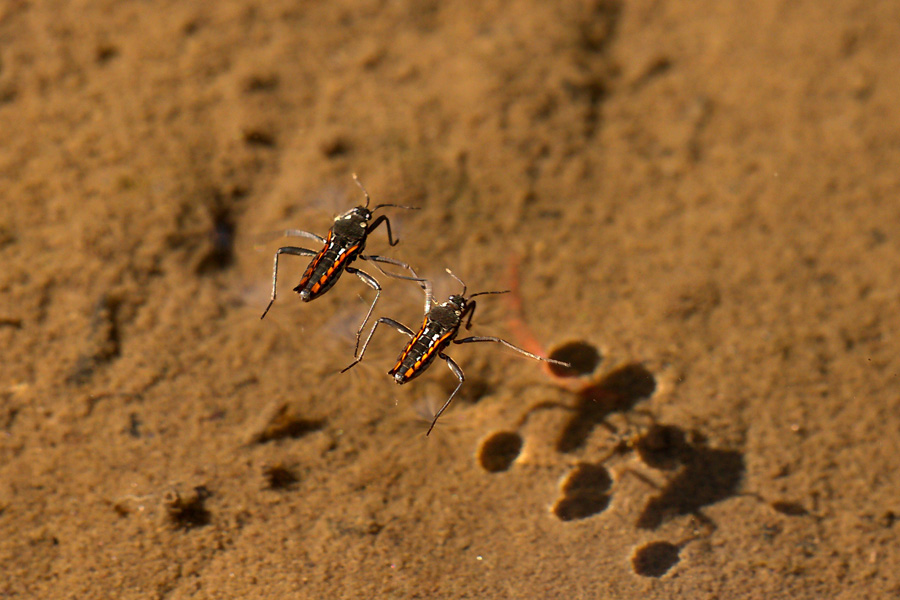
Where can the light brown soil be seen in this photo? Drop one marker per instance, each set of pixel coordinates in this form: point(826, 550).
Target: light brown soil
point(704, 192)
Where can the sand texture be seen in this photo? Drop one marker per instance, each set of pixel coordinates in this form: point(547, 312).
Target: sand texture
point(696, 202)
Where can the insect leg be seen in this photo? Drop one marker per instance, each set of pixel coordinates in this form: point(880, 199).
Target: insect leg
point(426, 285)
point(387, 223)
point(293, 250)
point(372, 283)
point(398, 326)
point(303, 234)
point(479, 338)
point(471, 310)
point(459, 375)
point(429, 296)
point(391, 261)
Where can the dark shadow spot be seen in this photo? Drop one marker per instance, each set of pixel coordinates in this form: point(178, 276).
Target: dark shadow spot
point(499, 451)
point(335, 145)
point(260, 83)
point(289, 427)
point(191, 27)
point(706, 476)
point(219, 253)
point(7, 235)
point(105, 53)
point(279, 477)
point(587, 477)
point(792, 509)
point(662, 447)
point(103, 343)
point(618, 391)
point(187, 511)
point(628, 383)
point(8, 416)
point(280, 421)
point(374, 528)
point(583, 357)
point(658, 66)
point(581, 506)
point(598, 28)
point(8, 94)
point(11, 322)
point(259, 137)
point(134, 425)
point(585, 493)
point(590, 92)
point(655, 559)
point(655, 67)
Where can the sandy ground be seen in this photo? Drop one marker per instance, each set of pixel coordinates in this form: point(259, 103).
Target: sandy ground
point(695, 201)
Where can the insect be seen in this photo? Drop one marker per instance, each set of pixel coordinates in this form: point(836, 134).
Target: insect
point(440, 328)
point(344, 243)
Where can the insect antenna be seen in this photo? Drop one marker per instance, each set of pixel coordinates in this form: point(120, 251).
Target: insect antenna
point(462, 283)
point(464, 287)
point(484, 293)
point(395, 206)
point(359, 183)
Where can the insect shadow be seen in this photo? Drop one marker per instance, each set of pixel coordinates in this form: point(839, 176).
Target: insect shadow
point(617, 391)
point(703, 476)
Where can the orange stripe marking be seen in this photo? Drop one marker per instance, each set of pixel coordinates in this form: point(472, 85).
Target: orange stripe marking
point(341, 259)
point(409, 346)
point(431, 350)
point(315, 263)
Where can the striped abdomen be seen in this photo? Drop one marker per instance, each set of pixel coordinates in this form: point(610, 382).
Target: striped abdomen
point(325, 269)
point(421, 351)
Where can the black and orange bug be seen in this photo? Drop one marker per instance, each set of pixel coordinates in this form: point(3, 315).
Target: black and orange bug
point(344, 243)
point(439, 329)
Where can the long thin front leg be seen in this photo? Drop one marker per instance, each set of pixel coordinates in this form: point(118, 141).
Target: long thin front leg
point(303, 234)
point(387, 223)
point(398, 326)
point(269, 236)
point(471, 309)
point(470, 340)
point(429, 296)
point(391, 261)
point(426, 285)
point(459, 375)
point(293, 250)
point(372, 283)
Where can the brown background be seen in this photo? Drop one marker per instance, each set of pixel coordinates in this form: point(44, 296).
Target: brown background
point(704, 191)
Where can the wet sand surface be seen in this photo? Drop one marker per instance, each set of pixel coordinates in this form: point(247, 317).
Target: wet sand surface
point(697, 202)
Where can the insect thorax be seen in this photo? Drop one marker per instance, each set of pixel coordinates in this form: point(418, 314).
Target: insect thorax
point(445, 315)
point(353, 224)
